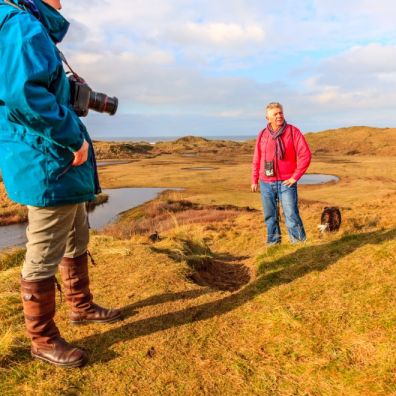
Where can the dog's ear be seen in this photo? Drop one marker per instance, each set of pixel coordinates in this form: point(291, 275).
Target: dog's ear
point(335, 219)
point(324, 218)
point(331, 216)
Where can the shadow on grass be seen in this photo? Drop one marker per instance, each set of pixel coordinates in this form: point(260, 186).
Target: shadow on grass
point(164, 298)
point(283, 270)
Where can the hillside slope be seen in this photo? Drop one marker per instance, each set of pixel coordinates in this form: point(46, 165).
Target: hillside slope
point(355, 140)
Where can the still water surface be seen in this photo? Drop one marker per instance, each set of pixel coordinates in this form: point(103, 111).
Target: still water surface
point(120, 200)
point(317, 178)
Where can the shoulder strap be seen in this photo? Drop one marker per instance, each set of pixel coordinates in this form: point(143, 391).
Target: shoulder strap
point(13, 5)
point(30, 8)
point(71, 71)
point(64, 60)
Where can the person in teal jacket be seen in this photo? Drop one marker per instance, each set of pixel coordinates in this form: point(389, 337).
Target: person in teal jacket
point(47, 163)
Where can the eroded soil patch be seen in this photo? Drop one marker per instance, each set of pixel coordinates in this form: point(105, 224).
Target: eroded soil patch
point(207, 268)
point(220, 275)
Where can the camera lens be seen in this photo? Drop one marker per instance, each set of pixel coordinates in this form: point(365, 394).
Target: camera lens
point(102, 103)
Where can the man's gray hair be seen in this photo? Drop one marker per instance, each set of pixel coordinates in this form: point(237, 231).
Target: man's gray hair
point(273, 105)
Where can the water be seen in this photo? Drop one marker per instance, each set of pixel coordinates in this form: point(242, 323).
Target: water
point(120, 200)
point(112, 162)
point(200, 168)
point(317, 178)
point(12, 235)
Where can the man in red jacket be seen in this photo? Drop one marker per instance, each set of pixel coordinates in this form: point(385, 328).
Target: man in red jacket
point(281, 157)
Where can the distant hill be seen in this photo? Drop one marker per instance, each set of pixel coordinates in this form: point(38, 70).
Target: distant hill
point(195, 144)
point(122, 150)
point(357, 140)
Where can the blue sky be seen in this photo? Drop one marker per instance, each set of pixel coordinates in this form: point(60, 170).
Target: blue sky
point(209, 68)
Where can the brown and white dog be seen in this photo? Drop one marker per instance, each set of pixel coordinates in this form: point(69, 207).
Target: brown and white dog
point(330, 219)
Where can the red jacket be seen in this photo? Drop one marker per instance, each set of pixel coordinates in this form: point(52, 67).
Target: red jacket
point(296, 159)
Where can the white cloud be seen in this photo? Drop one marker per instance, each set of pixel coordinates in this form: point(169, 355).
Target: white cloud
point(328, 62)
point(221, 34)
point(360, 68)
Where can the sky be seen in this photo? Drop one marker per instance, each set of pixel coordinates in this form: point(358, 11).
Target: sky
point(204, 67)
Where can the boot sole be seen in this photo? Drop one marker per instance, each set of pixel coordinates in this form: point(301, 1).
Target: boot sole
point(86, 321)
point(78, 363)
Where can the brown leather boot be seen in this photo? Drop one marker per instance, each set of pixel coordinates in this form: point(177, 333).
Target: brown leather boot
point(38, 298)
point(74, 272)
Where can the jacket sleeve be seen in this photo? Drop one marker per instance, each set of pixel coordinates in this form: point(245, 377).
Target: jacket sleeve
point(303, 154)
point(31, 66)
point(256, 160)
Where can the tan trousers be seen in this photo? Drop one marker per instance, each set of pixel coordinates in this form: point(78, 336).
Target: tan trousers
point(54, 232)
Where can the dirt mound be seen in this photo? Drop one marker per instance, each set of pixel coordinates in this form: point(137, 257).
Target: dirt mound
point(220, 275)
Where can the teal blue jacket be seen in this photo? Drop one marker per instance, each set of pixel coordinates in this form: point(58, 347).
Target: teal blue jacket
point(39, 131)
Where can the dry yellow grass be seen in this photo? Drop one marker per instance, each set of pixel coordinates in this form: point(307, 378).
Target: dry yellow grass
point(10, 212)
point(312, 319)
point(357, 140)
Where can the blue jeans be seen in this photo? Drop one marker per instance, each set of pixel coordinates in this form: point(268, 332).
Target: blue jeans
point(271, 194)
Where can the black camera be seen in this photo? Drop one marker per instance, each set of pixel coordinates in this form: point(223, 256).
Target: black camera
point(83, 98)
point(269, 168)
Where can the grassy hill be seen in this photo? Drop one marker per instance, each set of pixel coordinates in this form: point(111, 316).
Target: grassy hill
point(208, 308)
point(357, 140)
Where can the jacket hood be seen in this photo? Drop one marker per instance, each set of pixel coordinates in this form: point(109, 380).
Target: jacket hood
point(55, 24)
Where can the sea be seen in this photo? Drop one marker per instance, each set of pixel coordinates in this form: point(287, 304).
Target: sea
point(155, 139)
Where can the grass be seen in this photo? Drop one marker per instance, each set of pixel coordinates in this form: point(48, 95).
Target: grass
point(11, 258)
point(209, 309)
point(100, 199)
point(10, 212)
point(165, 213)
point(121, 150)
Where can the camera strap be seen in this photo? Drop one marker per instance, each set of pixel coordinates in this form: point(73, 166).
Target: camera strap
point(64, 60)
point(13, 5)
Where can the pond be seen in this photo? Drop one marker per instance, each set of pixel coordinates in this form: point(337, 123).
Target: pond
point(200, 168)
point(317, 178)
point(120, 200)
point(113, 162)
point(12, 235)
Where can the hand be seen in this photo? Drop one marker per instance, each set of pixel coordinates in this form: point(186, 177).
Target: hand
point(81, 155)
point(289, 182)
point(254, 187)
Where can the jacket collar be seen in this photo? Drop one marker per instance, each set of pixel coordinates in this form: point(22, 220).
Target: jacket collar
point(55, 24)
